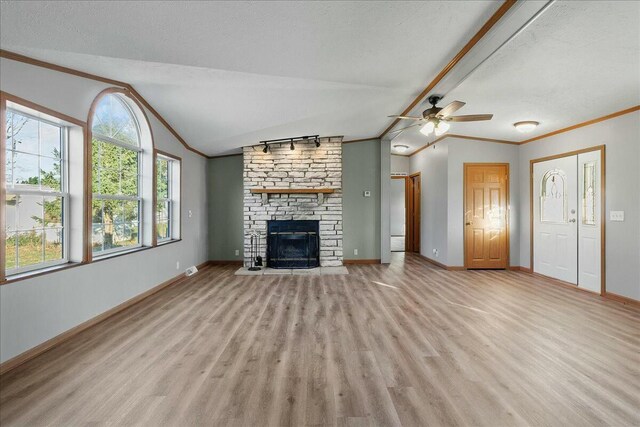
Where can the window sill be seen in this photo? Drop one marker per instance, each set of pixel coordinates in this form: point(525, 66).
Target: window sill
point(41, 272)
point(168, 242)
point(120, 253)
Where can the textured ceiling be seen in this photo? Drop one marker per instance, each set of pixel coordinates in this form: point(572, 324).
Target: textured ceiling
point(227, 74)
point(578, 61)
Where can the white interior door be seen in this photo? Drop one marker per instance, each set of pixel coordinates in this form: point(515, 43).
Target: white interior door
point(567, 219)
point(589, 221)
point(555, 200)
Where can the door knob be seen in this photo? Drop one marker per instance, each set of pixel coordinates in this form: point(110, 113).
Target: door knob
point(469, 223)
point(572, 220)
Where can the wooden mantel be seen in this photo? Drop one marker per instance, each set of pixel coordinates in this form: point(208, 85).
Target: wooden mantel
point(319, 191)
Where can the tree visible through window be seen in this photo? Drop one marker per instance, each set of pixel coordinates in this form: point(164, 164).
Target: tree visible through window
point(116, 203)
point(163, 200)
point(36, 193)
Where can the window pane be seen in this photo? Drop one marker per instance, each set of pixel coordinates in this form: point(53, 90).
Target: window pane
point(50, 138)
point(130, 211)
point(25, 171)
point(52, 212)
point(50, 174)
point(30, 248)
point(163, 178)
point(97, 237)
point(109, 182)
point(112, 211)
point(114, 119)
point(24, 134)
point(129, 183)
point(96, 212)
point(8, 169)
point(110, 156)
point(29, 212)
point(53, 244)
point(10, 251)
point(10, 212)
point(163, 230)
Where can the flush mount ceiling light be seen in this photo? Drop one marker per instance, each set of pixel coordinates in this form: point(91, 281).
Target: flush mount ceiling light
point(526, 126)
point(400, 148)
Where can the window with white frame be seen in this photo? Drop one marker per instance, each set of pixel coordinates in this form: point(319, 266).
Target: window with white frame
point(167, 198)
point(164, 169)
point(116, 157)
point(37, 197)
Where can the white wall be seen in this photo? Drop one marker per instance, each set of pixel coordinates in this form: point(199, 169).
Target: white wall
point(35, 310)
point(621, 136)
point(400, 164)
point(432, 165)
point(397, 190)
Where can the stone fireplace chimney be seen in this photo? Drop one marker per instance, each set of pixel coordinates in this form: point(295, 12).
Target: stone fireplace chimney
point(300, 184)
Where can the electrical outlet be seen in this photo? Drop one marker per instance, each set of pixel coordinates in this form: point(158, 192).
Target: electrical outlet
point(616, 215)
point(355, 252)
point(366, 193)
point(190, 213)
point(177, 265)
point(435, 253)
point(237, 252)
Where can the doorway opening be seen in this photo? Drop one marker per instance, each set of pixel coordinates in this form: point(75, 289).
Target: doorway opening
point(567, 203)
point(398, 214)
point(414, 188)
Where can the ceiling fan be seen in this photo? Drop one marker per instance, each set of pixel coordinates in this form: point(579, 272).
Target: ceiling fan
point(437, 118)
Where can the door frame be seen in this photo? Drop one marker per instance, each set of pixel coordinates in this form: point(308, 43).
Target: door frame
point(603, 181)
point(409, 196)
point(406, 208)
point(464, 210)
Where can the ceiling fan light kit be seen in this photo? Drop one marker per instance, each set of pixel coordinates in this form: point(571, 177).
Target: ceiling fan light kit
point(526, 126)
point(436, 118)
point(401, 148)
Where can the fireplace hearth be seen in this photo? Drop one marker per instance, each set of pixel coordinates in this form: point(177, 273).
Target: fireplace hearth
point(293, 244)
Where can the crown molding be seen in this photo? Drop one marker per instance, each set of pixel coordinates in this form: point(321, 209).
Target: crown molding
point(43, 64)
point(583, 124)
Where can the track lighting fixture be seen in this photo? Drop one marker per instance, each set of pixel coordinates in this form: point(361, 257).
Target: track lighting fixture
point(317, 142)
point(266, 148)
point(292, 147)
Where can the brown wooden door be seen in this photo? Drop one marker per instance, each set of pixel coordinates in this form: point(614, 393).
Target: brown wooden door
point(486, 216)
point(413, 213)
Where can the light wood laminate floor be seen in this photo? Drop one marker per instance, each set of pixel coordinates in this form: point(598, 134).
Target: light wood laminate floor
point(406, 344)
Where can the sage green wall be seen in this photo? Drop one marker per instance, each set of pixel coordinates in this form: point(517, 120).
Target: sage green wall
point(225, 190)
point(361, 215)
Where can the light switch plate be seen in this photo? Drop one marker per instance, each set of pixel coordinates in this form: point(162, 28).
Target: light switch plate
point(616, 215)
point(367, 193)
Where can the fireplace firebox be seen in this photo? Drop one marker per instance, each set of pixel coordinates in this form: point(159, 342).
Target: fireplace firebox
point(293, 244)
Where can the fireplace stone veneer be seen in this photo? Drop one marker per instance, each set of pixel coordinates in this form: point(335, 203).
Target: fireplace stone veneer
point(306, 167)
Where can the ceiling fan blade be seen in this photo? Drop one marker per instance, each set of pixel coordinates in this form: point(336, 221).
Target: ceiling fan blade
point(470, 118)
point(405, 128)
point(451, 108)
point(406, 117)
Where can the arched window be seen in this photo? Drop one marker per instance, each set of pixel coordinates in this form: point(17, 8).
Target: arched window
point(116, 156)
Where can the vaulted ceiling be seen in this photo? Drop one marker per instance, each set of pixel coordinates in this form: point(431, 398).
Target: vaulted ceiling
point(228, 74)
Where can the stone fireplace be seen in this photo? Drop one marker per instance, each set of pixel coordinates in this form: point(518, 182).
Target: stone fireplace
point(302, 184)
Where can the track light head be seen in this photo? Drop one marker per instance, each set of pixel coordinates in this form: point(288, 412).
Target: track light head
point(292, 147)
point(317, 142)
point(266, 148)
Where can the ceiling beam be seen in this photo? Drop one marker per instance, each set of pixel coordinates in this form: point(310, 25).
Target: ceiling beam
point(504, 8)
